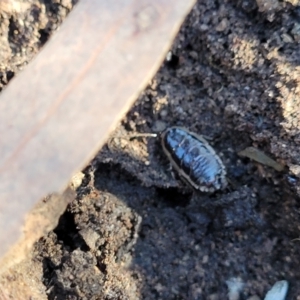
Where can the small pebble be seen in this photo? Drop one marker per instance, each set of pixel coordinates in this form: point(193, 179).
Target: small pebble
point(204, 27)
point(90, 237)
point(163, 113)
point(295, 169)
point(296, 31)
point(235, 287)
point(77, 180)
point(172, 60)
point(287, 38)
point(278, 291)
point(222, 25)
point(159, 126)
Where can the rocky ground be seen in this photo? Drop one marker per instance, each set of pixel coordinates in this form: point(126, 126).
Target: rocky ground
point(135, 231)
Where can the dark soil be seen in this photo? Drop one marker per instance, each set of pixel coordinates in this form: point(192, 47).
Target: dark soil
point(137, 232)
point(25, 26)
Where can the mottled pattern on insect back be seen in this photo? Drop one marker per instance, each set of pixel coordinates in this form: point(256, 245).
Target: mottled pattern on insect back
point(194, 159)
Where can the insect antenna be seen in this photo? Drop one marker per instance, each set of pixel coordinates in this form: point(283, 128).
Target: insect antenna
point(137, 135)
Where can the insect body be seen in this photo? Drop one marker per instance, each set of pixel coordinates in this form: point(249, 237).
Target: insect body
point(194, 159)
